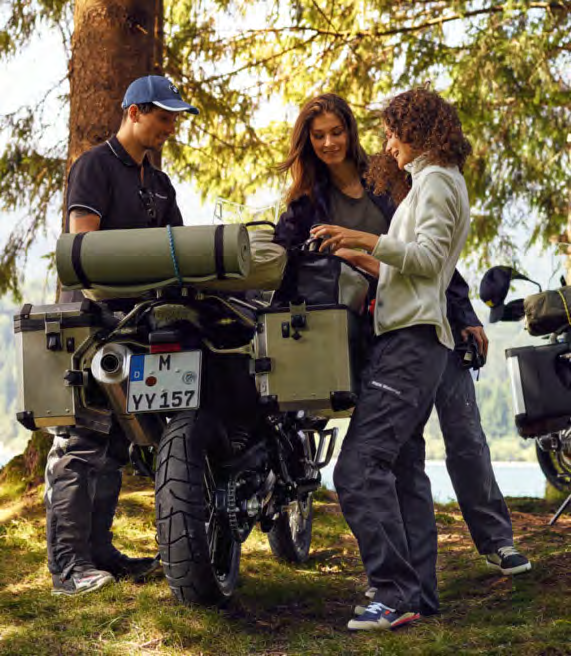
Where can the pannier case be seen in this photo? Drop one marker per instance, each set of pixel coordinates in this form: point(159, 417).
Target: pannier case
point(47, 336)
point(307, 358)
point(541, 388)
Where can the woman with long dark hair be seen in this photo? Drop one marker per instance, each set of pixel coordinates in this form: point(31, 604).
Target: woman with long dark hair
point(327, 164)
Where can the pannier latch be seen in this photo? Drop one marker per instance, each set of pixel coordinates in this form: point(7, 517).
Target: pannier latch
point(53, 335)
point(298, 320)
point(261, 366)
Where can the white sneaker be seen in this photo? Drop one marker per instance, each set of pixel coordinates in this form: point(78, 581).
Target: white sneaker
point(508, 560)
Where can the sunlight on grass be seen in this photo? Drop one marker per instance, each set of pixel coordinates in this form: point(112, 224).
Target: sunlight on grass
point(279, 608)
point(11, 511)
point(8, 633)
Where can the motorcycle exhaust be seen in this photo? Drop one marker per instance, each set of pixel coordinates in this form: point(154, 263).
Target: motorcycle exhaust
point(110, 368)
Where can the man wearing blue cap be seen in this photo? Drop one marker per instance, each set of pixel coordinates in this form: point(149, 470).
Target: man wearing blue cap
point(112, 186)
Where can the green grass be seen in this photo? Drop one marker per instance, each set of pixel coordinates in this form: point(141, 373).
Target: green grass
point(280, 608)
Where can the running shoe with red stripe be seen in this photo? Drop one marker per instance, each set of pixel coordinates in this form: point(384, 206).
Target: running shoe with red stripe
point(379, 616)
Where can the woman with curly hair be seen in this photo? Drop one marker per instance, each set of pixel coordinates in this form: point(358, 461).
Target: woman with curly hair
point(383, 489)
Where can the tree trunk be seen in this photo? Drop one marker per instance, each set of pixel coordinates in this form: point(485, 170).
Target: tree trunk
point(114, 42)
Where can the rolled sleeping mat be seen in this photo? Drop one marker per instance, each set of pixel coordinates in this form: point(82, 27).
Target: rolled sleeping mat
point(140, 260)
point(266, 270)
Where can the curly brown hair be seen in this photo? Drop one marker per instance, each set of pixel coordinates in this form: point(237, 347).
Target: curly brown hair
point(430, 124)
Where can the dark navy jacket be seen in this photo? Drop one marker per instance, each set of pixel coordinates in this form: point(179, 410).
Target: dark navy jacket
point(295, 223)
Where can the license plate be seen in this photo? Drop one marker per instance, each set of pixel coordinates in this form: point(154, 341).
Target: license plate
point(164, 381)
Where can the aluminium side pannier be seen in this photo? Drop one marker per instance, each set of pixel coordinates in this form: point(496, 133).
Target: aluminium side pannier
point(48, 339)
point(541, 387)
point(311, 341)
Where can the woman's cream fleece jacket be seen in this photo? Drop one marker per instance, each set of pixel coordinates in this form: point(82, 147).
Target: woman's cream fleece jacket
point(418, 255)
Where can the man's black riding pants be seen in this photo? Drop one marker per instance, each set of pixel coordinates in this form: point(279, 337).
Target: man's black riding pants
point(83, 481)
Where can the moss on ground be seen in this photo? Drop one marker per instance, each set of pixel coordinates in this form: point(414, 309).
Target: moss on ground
point(280, 608)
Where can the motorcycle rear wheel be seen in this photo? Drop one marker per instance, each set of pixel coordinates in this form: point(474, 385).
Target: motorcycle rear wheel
point(556, 467)
point(200, 558)
point(290, 536)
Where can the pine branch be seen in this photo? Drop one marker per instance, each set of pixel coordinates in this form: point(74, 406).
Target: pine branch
point(564, 7)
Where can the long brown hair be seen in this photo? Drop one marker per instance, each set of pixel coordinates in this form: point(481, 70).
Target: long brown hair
point(306, 168)
point(430, 124)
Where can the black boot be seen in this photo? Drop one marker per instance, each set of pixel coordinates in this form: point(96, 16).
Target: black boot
point(137, 569)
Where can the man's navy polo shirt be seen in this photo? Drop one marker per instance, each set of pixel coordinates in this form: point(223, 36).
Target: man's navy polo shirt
point(106, 181)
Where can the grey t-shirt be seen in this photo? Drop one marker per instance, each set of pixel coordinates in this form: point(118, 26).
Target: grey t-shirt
point(357, 213)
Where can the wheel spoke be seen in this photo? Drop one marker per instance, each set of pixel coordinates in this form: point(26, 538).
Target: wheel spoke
point(213, 540)
point(209, 482)
point(210, 526)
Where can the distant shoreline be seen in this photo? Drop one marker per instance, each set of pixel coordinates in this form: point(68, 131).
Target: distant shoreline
point(432, 463)
point(503, 463)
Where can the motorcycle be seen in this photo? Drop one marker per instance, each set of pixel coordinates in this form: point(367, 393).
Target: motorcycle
point(195, 379)
point(540, 375)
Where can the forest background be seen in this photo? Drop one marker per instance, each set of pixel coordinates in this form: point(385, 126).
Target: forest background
point(249, 65)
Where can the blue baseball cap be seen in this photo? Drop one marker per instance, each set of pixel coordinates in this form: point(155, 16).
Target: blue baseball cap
point(157, 90)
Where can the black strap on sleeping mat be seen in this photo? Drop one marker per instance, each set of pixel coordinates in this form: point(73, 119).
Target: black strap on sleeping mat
point(76, 260)
point(219, 252)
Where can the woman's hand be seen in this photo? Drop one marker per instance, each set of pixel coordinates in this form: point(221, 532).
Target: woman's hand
point(363, 261)
point(336, 237)
point(348, 254)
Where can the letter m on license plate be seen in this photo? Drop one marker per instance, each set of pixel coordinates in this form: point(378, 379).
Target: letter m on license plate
point(161, 382)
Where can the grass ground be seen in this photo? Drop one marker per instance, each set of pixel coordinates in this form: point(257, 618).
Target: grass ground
point(283, 609)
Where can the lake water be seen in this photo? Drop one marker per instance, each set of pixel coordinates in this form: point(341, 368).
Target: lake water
point(515, 479)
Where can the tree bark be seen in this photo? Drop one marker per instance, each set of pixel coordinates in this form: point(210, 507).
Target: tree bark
point(114, 42)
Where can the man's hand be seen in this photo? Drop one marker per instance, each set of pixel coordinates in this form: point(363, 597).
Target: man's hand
point(336, 237)
point(480, 337)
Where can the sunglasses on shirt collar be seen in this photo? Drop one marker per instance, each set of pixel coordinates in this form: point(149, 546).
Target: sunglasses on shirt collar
point(148, 199)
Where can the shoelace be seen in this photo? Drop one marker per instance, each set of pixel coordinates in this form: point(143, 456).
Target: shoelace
point(508, 551)
point(378, 607)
